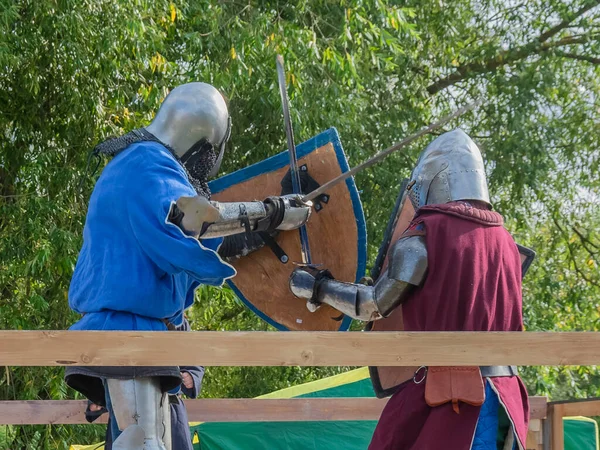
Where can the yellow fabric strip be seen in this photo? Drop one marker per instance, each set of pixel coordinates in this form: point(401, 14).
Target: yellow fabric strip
point(88, 447)
point(320, 385)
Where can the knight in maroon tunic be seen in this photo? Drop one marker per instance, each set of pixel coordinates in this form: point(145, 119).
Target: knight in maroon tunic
point(456, 268)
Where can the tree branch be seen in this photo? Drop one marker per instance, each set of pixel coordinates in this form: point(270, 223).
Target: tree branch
point(585, 58)
point(585, 241)
point(581, 273)
point(535, 47)
point(503, 13)
point(568, 21)
point(569, 40)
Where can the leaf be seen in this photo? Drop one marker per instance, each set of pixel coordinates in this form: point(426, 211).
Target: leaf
point(173, 12)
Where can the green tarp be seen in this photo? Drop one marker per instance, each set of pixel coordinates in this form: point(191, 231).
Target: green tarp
point(345, 435)
point(342, 435)
point(581, 433)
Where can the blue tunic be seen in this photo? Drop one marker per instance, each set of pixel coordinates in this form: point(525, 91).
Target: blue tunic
point(136, 268)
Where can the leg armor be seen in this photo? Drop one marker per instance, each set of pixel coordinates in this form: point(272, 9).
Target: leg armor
point(407, 269)
point(142, 413)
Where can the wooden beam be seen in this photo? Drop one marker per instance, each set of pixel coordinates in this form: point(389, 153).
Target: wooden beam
point(584, 407)
point(285, 410)
point(43, 412)
point(132, 348)
point(538, 407)
point(69, 412)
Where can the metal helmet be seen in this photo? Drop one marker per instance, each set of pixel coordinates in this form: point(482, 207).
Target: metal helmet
point(449, 169)
point(193, 120)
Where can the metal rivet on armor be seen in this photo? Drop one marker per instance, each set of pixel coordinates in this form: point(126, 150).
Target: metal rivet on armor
point(303, 168)
point(284, 259)
point(318, 207)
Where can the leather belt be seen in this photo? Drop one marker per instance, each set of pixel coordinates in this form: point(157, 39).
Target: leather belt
point(169, 325)
point(498, 371)
point(419, 375)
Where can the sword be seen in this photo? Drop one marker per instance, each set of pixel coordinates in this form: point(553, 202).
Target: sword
point(379, 156)
point(289, 131)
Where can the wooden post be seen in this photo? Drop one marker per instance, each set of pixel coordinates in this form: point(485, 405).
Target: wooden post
point(557, 433)
point(534, 437)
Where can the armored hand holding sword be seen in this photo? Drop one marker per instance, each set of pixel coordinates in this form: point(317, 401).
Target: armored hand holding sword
point(152, 236)
point(454, 268)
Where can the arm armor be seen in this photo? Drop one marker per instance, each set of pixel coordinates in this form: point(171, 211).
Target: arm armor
point(407, 269)
point(217, 219)
point(234, 217)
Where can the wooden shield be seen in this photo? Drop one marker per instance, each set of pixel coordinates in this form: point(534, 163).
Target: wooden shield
point(386, 379)
point(336, 232)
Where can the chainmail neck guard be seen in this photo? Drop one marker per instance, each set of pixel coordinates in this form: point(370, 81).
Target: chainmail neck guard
point(197, 174)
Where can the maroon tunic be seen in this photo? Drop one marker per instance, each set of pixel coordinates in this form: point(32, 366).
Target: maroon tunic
point(473, 284)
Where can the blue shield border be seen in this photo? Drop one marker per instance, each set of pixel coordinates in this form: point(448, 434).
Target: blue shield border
point(282, 160)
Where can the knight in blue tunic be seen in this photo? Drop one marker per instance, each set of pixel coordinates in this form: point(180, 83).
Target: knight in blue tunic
point(151, 237)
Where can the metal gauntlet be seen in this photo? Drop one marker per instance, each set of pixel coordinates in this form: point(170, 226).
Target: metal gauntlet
point(358, 301)
point(288, 211)
point(408, 265)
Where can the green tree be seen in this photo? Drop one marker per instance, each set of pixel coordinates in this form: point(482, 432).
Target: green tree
point(73, 73)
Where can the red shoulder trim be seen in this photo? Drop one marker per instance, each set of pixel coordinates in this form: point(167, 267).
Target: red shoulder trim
point(466, 211)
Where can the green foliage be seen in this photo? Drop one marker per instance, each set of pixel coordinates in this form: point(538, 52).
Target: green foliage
point(74, 72)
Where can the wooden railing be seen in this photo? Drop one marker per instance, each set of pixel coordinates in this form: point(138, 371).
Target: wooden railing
point(70, 412)
point(212, 348)
point(543, 434)
point(94, 348)
point(554, 432)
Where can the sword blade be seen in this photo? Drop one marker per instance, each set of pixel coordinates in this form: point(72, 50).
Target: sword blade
point(381, 155)
point(289, 131)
